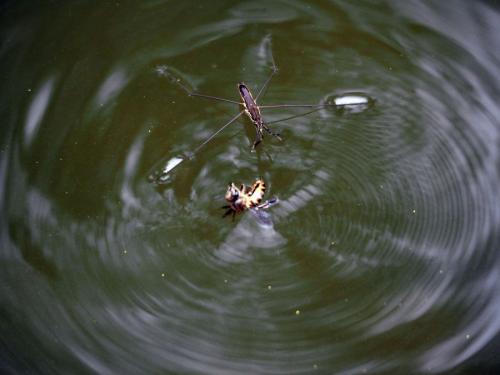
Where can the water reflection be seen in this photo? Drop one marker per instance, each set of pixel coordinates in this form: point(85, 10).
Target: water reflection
point(244, 238)
point(110, 88)
point(37, 110)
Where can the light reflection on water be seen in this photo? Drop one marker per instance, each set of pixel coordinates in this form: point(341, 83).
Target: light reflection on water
point(382, 253)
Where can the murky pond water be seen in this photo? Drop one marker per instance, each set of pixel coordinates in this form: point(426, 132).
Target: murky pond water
point(383, 253)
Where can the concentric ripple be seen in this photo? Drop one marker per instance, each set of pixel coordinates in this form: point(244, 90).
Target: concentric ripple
point(382, 254)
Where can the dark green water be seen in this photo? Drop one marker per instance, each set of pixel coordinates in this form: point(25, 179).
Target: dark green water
point(383, 257)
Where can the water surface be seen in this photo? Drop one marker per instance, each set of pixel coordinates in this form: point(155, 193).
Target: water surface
point(383, 254)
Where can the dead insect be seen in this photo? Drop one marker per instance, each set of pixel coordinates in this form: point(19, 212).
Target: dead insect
point(248, 198)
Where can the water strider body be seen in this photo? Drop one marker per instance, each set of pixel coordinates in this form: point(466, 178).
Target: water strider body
point(253, 112)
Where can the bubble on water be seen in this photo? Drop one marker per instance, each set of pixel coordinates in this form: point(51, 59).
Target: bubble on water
point(171, 164)
point(163, 176)
point(350, 100)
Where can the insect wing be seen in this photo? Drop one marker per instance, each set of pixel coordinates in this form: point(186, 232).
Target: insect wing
point(269, 203)
point(263, 217)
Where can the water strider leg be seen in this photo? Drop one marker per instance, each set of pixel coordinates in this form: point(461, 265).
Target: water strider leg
point(192, 93)
point(319, 106)
point(264, 86)
point(275, 135)
point(217, 132)
point(213, 98)
point(190, 154)
point(258, 139)
point(294, 116)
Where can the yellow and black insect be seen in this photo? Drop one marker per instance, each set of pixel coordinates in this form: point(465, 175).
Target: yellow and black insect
point(248, 198)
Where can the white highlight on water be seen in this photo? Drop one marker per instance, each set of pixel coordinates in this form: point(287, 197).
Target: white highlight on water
point(350, 100)
point(171, 164)
point(131, 164)
point(37, 110)
point(111, 87)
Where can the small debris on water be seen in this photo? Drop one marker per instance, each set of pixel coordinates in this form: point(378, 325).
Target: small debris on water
point(161, 70)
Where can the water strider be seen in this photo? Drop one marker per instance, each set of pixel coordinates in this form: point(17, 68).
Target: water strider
point(252, 109)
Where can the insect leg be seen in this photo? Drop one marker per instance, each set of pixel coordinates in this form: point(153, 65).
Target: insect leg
point(217, 132)
point(294, 116)
point(269, 203)
point(318, 106)
point(276, 135)
point(264, 86)
point(177, 81)
point(258, 138)
point(228, 212)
